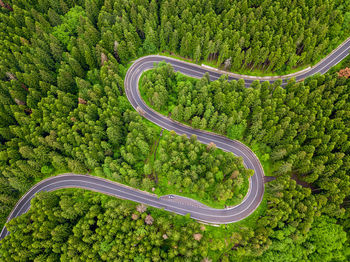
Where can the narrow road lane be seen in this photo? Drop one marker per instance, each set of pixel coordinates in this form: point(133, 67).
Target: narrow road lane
point(198, 212)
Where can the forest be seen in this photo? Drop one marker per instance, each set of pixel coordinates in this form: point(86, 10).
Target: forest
point(100, 228)
point(301, 129)
point(187, 167)
point(63, 108)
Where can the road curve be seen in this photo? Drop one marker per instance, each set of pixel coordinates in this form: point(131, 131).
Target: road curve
point(97, 184)
point(250, 160)
point(198, 212)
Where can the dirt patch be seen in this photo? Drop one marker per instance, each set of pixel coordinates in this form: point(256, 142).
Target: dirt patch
point(300, 182)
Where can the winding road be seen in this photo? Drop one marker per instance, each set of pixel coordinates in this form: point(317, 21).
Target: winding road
point(197, 211)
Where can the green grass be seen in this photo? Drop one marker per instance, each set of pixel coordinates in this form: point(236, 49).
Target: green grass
point(167, 190)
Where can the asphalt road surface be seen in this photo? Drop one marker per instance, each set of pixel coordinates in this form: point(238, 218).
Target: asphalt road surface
point(198, 212)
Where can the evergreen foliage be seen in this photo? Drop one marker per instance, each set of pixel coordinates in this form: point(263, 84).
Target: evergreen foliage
point(187, 167)
point(63, 108)
point(301, 129)
point(78, 226)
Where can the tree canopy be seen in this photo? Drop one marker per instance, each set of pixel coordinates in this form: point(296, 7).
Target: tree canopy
point(63, 109)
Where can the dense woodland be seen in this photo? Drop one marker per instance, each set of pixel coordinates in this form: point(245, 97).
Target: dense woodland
point(71, 225)
point(67, 226)
point(301, 131)
point(266, 35)
point(63, 108)
point(190, 168)
point(78, 119)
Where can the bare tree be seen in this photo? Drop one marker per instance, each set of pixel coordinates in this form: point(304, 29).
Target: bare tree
point(344, 73)
point(81, 101)
point(211, 146)
point(140, 111)
point(227, 63)
point(4, 5)
point(104, 58)
point(116, 44)
point(149, 220)
point(19, 102)
point(10, 75)
point(141, 208)
point(197, 236)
